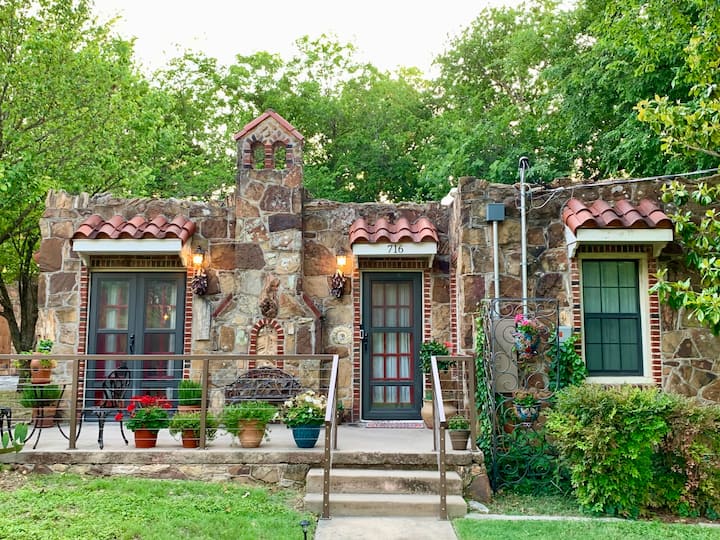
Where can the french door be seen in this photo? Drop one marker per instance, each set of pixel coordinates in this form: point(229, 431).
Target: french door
point(136, 313)
point(391, 330)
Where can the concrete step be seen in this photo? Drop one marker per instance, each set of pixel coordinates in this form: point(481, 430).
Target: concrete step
point(386, 504)
point(382, 481)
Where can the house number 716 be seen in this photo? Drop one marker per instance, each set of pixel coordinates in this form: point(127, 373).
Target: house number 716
point(394, 248)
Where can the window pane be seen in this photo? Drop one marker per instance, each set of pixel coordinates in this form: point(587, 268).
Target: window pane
point(160, 303)
point(391, 368)
point(113, 307)
point(390, 294)
point(613, 345)
point(377, 365)
point(378, 317)
point(405, 394)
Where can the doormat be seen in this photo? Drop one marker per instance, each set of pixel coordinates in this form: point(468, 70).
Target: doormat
point(395, 424)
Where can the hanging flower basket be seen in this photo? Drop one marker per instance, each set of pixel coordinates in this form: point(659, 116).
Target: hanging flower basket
point(527, 336)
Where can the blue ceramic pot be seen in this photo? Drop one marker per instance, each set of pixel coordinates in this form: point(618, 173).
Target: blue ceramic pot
point(306, 436)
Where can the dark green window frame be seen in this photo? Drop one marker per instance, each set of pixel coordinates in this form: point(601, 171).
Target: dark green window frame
point(612, 318)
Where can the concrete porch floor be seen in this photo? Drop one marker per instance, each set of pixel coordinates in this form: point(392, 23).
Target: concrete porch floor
point(357, 445)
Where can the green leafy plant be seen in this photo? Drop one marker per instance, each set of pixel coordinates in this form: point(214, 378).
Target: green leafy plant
point(189, 393)
point(147, 412)
point(191, 421)
point(567, 367)
point(608, 437)
point(40, 395)
point(458, 422)
point(526, 398)
point(435, 348)
point(261, 411)
point(44, 346)
point(18, 441)
point(305, 409)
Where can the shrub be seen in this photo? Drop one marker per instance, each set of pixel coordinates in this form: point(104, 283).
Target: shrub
point(691, 458)
point(191, 421)
point(608, 437)
point(632, 451)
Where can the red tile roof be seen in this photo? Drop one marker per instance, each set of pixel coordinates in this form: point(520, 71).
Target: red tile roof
point(95, 227)
point(646, 215)
point(422, 230)
point(287, 126)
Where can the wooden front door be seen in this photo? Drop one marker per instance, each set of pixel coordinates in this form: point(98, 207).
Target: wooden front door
point(136, 313)
point(391, 329)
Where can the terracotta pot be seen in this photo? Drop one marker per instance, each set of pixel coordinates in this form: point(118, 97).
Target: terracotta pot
point(251, 433)
point(48, 416)
point(145, 438)
point(459, 438)
point(188, 408)
point(190, 438)
point(427, 412)
point(39, 374)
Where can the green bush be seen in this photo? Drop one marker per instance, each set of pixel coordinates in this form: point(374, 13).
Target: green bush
point(609, 437)
point(191, 421)
point(691, 459)
point(632, 451)
point(262, 411)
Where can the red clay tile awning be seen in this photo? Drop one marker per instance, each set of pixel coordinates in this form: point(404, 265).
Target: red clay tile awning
point(401, 238)
point(421, 230)
point(138, 235)
point(623, 223)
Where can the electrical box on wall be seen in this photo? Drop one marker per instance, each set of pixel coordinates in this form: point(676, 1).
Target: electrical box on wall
point(495, 212)
point(564, 332)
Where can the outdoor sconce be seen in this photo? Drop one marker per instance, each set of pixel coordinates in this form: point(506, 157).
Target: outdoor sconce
point(340, 258)
point(199, 282)
point(198, 258)
point(337, 283)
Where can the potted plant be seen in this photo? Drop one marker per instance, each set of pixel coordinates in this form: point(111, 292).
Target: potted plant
point(427, 350)
point(40, 368)
point(527, 335)
point(43, 399)
point(248, 420)
point(459, 429)
point(187, 425)
point(304, 414)
point(189, 395)
point(148, 415)
point(527, 405)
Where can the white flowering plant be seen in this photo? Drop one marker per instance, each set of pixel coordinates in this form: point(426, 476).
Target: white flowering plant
point(305, 409)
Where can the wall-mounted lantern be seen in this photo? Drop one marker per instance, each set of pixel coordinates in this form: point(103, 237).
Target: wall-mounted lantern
point(337, 283)
point(199, 282)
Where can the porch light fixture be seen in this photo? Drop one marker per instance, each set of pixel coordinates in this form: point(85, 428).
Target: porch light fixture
point(340, 258)
point(198, 258)
point(337, 282)
point(199, 282)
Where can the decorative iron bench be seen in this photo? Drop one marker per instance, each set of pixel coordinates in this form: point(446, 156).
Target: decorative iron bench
point(264, 384)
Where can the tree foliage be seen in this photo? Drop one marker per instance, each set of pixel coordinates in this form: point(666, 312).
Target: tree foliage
point(697, 229)
point(74, 114)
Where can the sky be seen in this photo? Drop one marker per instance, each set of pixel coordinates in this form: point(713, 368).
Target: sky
point(387, 33)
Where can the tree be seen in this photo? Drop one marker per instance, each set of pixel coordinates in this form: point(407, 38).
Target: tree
point(74, 114)
point(697, 226)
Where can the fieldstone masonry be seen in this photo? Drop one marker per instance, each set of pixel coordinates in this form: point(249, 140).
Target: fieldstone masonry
point(271, 253)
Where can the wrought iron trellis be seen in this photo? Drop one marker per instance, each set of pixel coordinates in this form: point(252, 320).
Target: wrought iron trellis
point(520, 376)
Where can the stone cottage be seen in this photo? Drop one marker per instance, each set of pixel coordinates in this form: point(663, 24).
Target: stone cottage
point(272, 271)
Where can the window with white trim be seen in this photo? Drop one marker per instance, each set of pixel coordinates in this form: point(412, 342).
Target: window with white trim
point(615, 317)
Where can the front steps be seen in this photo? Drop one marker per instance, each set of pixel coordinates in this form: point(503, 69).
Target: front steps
point(376, 492)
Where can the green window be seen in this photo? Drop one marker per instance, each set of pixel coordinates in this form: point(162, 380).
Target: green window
point(611, 308)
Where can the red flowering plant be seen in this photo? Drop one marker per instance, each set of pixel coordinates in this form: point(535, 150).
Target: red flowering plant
point(147, 412)
point(527, 336)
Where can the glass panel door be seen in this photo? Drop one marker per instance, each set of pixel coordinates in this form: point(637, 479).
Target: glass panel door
point(136, 313)
point(392, 383)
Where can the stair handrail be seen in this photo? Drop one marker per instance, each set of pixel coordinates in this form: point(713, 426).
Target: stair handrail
point(330, 435)
point(439, 425)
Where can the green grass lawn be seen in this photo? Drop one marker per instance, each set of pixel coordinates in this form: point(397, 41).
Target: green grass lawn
point(72, 507)
point(508, 503)
point(469, 529)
